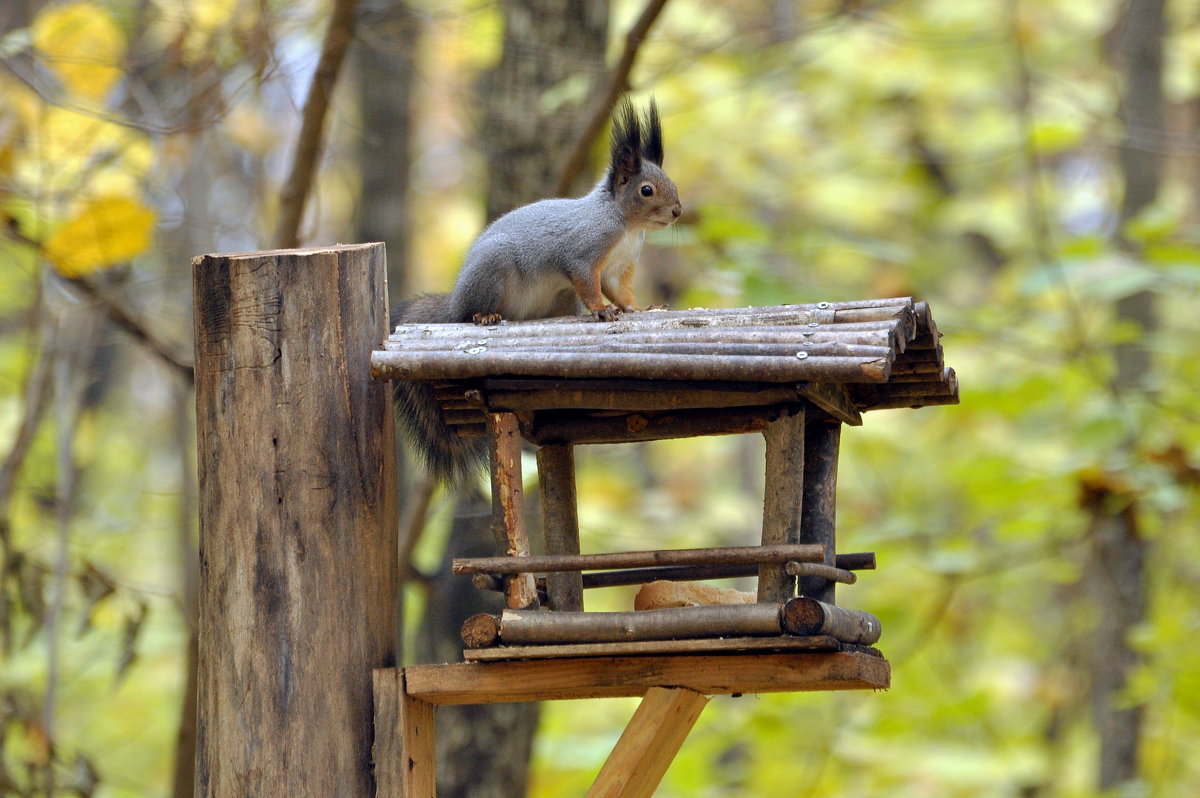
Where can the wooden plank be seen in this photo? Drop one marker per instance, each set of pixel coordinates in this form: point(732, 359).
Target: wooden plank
point(782, 501)
point(649, 743)
point(508, 506)
point(403, 754)
point(560, 522)
point(637, 559)
point(297, 519)
point(706, 645)
point(610, 677)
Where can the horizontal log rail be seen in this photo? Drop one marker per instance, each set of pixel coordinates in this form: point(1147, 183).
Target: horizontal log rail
point(549, 563)
point(846, 563)
point(800, 617)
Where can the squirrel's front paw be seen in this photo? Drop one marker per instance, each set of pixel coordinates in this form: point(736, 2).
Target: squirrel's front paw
point(486, 319)
point(606, 313)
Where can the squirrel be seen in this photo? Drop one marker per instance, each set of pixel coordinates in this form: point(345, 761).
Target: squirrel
point(554, 257)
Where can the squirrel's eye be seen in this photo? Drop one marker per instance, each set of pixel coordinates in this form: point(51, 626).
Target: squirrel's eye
point(647, 190)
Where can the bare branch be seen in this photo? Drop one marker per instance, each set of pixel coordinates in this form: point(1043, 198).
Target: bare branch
point(618, 82)
point(119, 313)
point(308, 145)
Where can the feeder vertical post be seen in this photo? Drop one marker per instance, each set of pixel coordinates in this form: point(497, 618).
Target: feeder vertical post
point(782, 500)
point(297, 520)
point(508, 505)
point(560, 521)
point(822, 441)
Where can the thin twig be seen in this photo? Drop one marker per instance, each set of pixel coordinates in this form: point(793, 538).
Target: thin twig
point(308, 145)
point(120, 314)
point(618, 82)
point(414, 523)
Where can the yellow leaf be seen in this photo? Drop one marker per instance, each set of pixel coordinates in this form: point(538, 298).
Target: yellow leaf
point(107, 231)
point(83, 45)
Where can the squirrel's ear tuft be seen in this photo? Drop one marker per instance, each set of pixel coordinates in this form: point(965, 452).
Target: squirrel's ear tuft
point(653, 147)
point(626, 145)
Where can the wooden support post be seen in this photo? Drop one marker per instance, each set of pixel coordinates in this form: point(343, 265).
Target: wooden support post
point(508, 505)
point(649, 743)
point(782, 501)
point(297, 520)
point(822, 439)
point(560, 520)
point(405, 764)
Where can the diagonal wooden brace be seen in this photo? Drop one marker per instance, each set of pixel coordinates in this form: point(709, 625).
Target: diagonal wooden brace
point(649, 743)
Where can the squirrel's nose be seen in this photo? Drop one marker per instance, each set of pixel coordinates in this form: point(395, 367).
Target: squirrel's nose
point(677, 210)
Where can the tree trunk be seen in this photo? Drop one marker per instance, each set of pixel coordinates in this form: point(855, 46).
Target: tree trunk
point(1116, 578)
point(384, 57)
point(530, 114)
point(529, 122)
point(482, 750)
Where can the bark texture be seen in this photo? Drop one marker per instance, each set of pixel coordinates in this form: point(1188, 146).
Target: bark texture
point(1116, 576)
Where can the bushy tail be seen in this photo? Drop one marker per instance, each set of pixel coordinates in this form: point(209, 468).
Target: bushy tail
point(446, 454)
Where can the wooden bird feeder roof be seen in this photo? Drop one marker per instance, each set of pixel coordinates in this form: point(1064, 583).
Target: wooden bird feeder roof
point(844, 357)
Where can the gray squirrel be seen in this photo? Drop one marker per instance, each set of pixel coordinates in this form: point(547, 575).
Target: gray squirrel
point(554, 257)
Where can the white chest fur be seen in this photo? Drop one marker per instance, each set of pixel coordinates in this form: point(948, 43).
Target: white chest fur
point(623, 254)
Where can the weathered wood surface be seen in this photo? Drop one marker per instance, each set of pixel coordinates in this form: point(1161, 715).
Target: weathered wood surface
point(712, 620)
point(782, 500)
point(410, 364)
point(403, 755)
point(649, 743)
point(822, 442)
point(508, 506)
point(862, 346)
point(557, 426)
point(297, 519)
point(610, 677)
point(796, 616)
point(560, 522)
point(560, 426)
point(821, 571)
point(637, 559)
point(703, 645)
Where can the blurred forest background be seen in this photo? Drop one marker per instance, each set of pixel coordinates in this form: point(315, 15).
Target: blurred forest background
point(1029, 168)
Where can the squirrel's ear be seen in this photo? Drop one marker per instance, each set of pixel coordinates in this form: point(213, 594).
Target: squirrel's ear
point(653, 149)
point(626, 145)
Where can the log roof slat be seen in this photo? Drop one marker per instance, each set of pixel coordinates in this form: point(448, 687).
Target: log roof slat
point(884, 352)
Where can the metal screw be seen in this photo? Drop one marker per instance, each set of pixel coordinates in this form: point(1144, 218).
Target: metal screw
point(801, 355)
point(823, 305)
